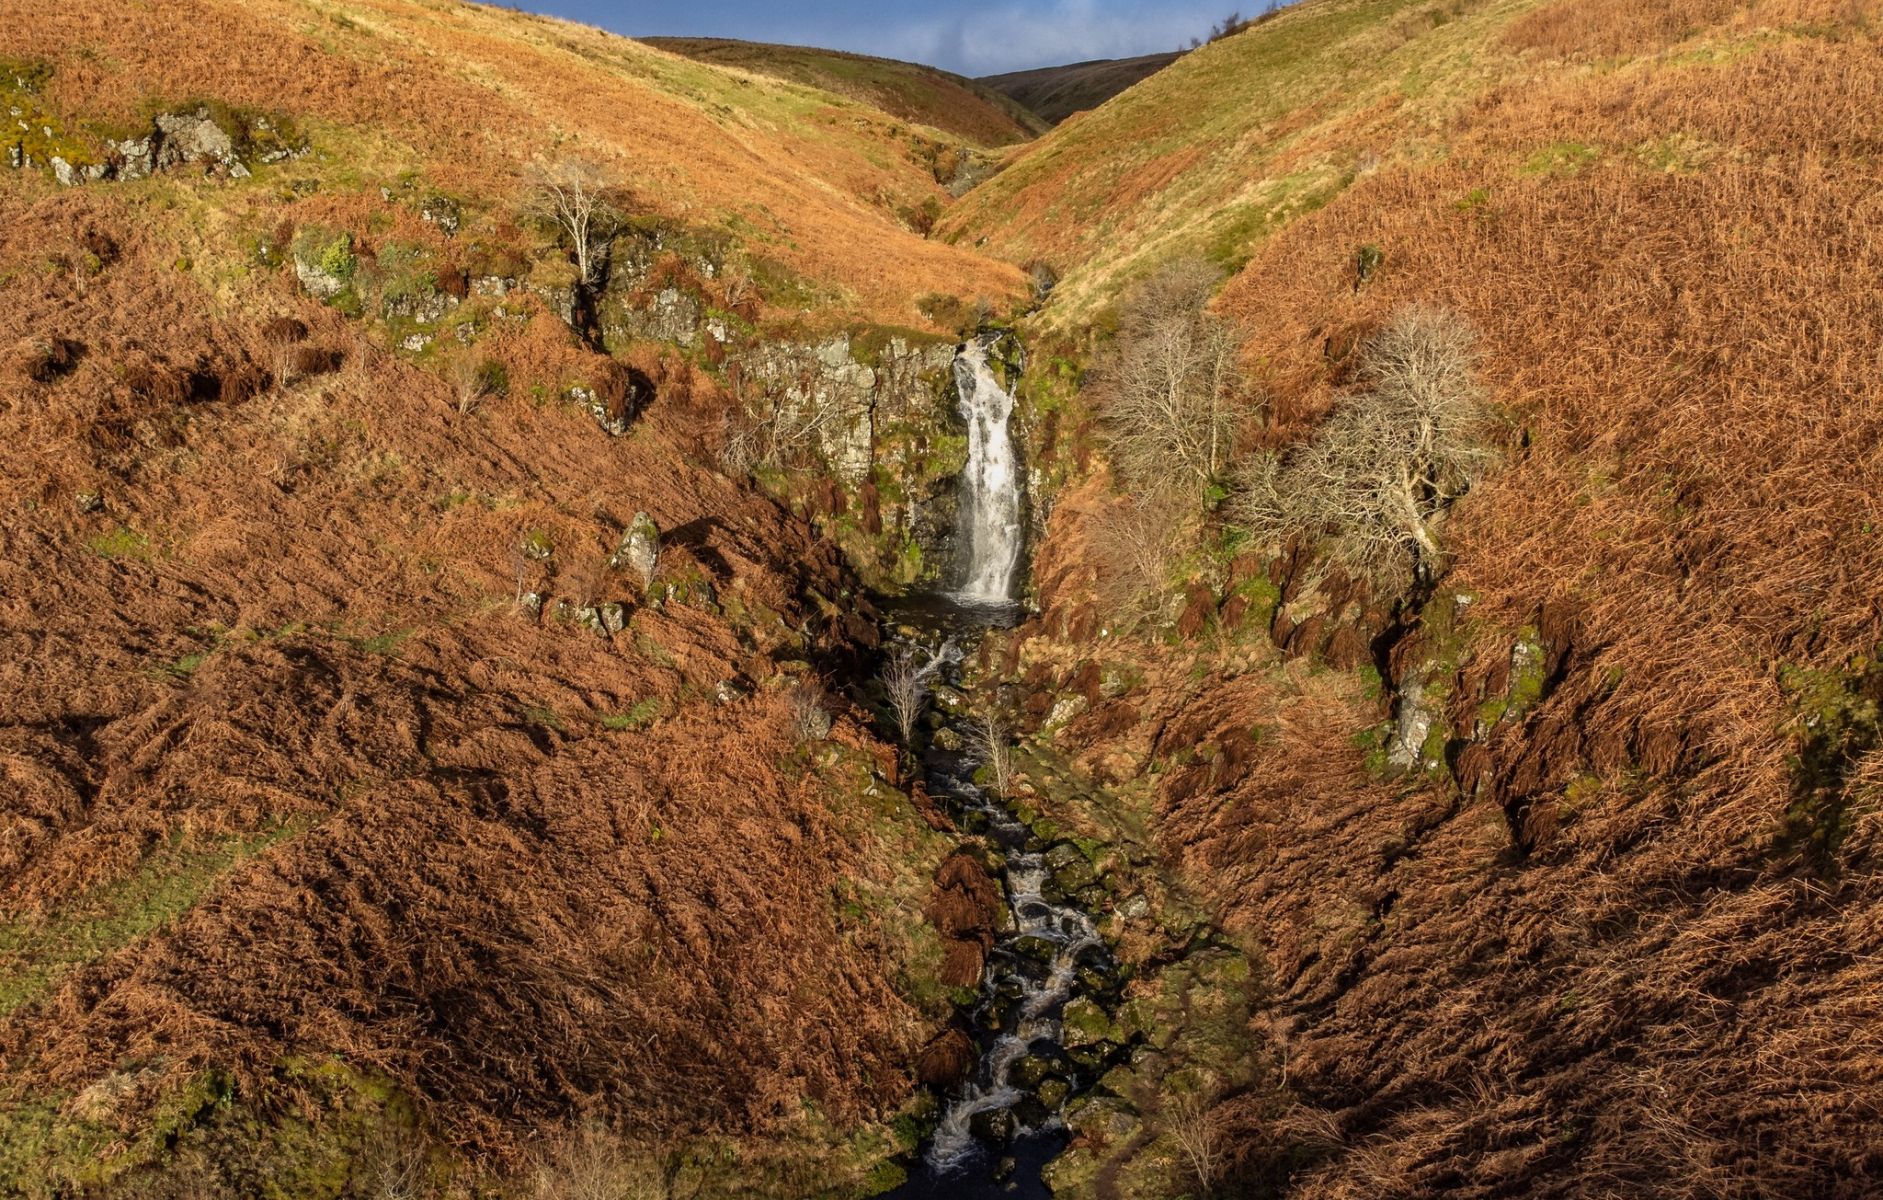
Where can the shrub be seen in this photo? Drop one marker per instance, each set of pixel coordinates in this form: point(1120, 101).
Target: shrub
point(475, 380)
point(1169, 389)
point(810, 713)
point(1138, 544)
point(1379, 475)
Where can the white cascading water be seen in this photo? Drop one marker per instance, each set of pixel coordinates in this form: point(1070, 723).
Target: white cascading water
point(1071, 933)
point(991, 486)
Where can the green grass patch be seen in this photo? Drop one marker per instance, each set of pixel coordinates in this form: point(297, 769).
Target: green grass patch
point(35, 952)
point(122, 542)
point(640, 716)
point(1562, 159)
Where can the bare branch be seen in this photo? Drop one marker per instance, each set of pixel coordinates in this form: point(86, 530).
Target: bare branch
point(1170, 390)
point(905, 683)
point(1378, 476)
point(994, 748)
point(571, 193)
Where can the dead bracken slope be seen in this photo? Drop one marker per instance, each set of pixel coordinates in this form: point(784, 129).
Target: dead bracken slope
point(317, 810)
point(1624, 940)
point(289, 776)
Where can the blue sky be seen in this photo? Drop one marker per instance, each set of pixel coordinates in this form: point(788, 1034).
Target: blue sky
point(973, 37)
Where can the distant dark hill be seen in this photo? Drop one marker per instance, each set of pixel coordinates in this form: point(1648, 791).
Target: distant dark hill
point(1055, 93)
point(923, 95)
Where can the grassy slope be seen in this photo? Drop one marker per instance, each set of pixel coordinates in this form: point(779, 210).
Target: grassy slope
point(1627, 940)
point(468, 95)
point(920, 95)
point(1236, 138)
point(1056, 93)
point(302, 815)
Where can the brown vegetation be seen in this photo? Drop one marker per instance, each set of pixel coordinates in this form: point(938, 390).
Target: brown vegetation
point(1623, 939)
point(280, 621)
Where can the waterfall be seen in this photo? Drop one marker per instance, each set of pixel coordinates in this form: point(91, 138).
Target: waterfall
point(990, 513)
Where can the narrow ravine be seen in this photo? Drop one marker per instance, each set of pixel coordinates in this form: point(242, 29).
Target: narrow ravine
point(1001, 1126)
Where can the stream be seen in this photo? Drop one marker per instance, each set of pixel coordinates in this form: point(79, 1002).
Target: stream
point(1002, 1125)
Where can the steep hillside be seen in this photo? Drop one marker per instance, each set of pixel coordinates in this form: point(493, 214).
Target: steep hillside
point(469, 96)
point(381, 813)
point(917, 94)
point(1562, 861)
point(1056, 93)
point(1241, 136)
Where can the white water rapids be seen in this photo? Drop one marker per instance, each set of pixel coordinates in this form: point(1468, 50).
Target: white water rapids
point(990, 515)
point(1072, 934)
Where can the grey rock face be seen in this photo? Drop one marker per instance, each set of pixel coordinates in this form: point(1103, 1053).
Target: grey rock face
point(1411, 727)
point(193, 139)
point(427, 308)
point(821, 387)
point(443, 212)
point(639, 551)
point(317, 282)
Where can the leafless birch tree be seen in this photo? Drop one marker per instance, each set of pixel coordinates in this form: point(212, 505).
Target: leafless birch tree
point(1171, 390)
point(571, 193)
point(1378, 476)
point(905, 685)
point(993, 747)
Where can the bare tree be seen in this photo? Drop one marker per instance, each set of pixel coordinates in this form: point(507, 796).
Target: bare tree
point(1378, 477)
point(995, 750)
point(1192, 1126)
point(590, 1163)
point(394, 1166)
point(905, 685)
point(1170, 389)
point(474, 381)
point(571, 193)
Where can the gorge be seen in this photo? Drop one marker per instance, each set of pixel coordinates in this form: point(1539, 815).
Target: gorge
point(664, 621)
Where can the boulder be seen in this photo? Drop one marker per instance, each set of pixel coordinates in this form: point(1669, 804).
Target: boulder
point(639, 551)
point(1071, 870)
point(1086, 1024)
point(194, 139)
point(995, 1126)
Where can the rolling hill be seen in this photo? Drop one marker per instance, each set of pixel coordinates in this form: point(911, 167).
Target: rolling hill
point(963, 108)
point(1056, 93)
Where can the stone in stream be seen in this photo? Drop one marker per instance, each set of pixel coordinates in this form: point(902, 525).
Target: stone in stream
point(995, 1126)
point(1089, 1058)
point(1031, 1071)
point(1085, 1023)
point(1096, 981)
point(1032, 946)
point(1053, 1093)
point(1071, 869)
